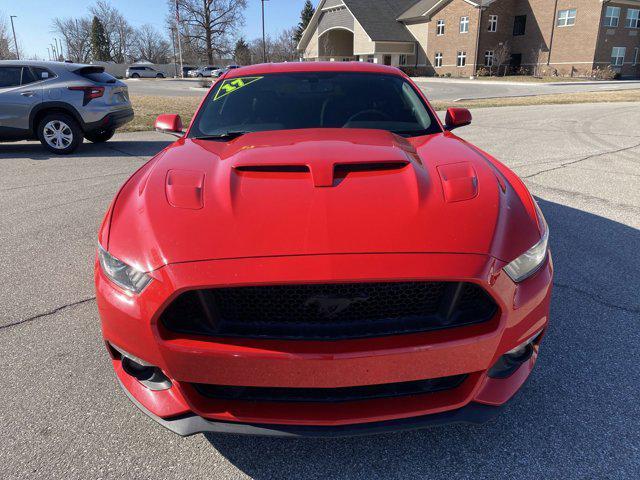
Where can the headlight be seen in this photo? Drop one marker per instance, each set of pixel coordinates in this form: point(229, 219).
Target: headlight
point(530, 261)
point(121, 274)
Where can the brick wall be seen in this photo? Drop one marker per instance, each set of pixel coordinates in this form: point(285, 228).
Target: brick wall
point(619, 36)
point(453, 41)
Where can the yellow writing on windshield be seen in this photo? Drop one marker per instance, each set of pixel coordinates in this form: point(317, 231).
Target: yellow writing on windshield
point(234, 84)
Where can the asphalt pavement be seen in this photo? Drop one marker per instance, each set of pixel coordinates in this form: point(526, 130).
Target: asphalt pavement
point(63, 415)
point(435, 88)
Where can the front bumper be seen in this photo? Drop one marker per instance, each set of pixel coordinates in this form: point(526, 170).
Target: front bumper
point(131, 324)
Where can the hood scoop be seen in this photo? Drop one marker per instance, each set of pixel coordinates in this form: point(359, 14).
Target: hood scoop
point(324, 173)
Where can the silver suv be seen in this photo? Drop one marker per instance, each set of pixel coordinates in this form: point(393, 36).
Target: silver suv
point(60, 103)
point(139, 71)
point(202, 72)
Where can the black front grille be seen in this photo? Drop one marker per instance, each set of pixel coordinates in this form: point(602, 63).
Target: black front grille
point(328, 395)
point(330, 311)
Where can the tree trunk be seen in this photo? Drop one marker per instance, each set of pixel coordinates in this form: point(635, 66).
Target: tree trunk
point(207, 31)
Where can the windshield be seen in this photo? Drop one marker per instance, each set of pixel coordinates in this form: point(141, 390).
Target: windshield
point(314, 100)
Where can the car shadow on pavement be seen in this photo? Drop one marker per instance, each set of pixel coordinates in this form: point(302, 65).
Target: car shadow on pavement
point(113, 148)
point(575, 418)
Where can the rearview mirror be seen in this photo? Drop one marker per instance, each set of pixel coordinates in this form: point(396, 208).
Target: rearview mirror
point(457, 117)
point(169, 123)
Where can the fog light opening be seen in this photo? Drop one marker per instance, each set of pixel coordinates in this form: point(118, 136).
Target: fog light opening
point(508, 363)
point(148, 375)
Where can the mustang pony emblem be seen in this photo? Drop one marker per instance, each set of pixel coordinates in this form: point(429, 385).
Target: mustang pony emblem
point(331, 307)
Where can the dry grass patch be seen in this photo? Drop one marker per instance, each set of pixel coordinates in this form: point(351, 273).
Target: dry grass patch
point(554, 99)
point(147, 108)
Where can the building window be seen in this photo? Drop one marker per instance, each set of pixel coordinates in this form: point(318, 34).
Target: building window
point(493, 23)
point(438, 59)
point(612, 17)
point(402, 60)
point(519, 25)
point(633, 18)
point(440, 27)
point(462, 59)
point(617, 56)
point(636, 52)
point(464, 24)
point(566, 18)
point(488, 58)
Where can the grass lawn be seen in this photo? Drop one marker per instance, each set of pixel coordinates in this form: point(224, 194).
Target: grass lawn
point(531, 79)
point(147, 108)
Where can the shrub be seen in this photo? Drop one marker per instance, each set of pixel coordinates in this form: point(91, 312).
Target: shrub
point(482, 72)
point(606, 73)
point(418, 71)
point(204, 83)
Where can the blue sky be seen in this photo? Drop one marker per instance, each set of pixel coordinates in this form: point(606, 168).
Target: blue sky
point(33, 25)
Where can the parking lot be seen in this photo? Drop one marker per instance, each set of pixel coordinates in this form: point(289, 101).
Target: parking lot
point(63, 415)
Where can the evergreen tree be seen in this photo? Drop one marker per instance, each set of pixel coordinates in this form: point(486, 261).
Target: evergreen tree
point(305, 18)
point(242, 53)
point(100, 47)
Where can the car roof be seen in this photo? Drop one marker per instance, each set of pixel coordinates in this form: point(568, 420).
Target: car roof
point(291, 67)
point(45, 64)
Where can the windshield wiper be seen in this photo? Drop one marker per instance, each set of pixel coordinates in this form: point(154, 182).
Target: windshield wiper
point(222, 136)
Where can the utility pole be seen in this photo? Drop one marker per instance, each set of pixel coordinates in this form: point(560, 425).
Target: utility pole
point(173, 45)
point(264, 43)
point(15, 42)
point(179, 40)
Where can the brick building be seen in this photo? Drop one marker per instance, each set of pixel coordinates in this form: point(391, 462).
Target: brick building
point(458, 37)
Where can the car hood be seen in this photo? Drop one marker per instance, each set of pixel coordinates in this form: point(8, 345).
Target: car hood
point(313, 192)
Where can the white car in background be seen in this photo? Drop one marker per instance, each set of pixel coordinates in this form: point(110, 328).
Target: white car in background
point(224, 70)
point(203, 71)
point(140, 71)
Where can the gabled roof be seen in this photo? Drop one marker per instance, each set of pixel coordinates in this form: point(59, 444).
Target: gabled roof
point(424, 8)
point(378, 18)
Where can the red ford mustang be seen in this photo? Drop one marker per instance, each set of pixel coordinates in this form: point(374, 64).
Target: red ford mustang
point(318, 255)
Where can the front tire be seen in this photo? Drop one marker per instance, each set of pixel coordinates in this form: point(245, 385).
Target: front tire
point(159, 75)
point(99, 136)
point(59, 133)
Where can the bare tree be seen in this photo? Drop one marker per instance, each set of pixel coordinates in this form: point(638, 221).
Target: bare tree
point(151, 46)
point(501, 55)
point(285, 47)
point(120, 33)
point(6, 51)
point(77, 36)
point(210, 25)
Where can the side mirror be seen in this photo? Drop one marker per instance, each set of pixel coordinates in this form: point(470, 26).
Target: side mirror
point(457, 117)
point(169, 123)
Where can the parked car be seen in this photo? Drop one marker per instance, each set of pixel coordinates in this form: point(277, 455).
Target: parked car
point(138, 71)
point(217, 73)
point(60, 103)
point(319, 255)
point(186, 69)
point(202, 71)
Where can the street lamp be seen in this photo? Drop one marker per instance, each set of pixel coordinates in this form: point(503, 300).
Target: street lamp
point(264, 43)
point(15, 42)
